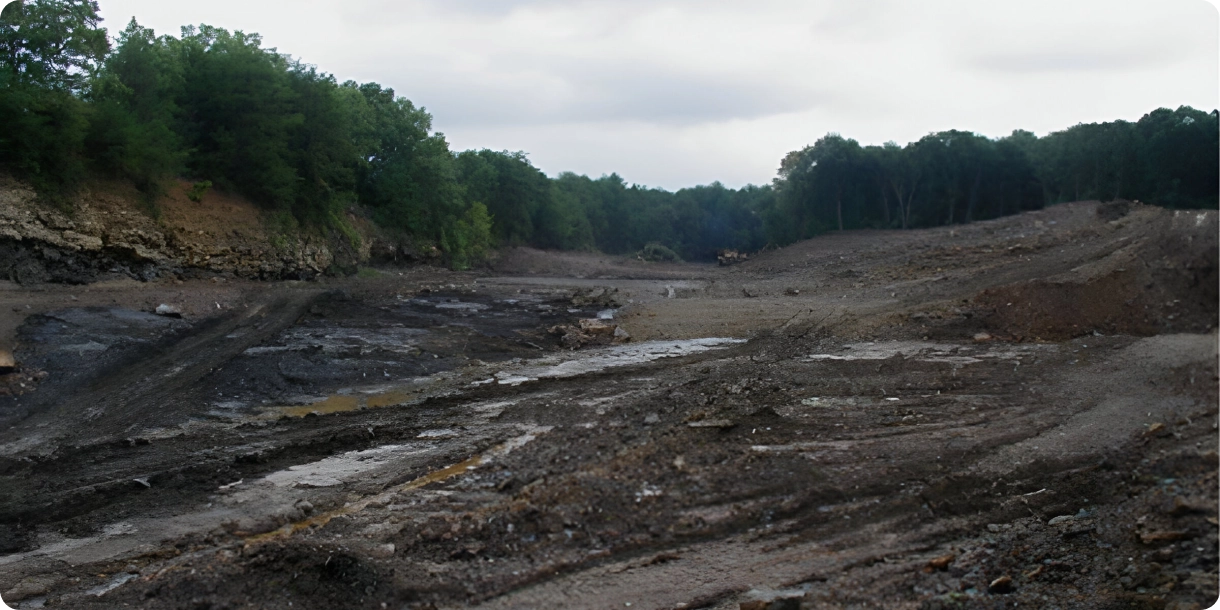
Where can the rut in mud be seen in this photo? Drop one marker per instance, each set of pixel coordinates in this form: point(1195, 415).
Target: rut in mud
point(1015, 411)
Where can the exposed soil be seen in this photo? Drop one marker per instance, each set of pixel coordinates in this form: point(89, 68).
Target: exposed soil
point(1019, 412)
point(103, 235)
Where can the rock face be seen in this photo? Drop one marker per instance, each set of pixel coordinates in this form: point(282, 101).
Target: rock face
point(106, 233)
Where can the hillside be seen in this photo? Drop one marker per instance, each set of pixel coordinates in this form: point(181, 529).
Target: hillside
point(107, 232)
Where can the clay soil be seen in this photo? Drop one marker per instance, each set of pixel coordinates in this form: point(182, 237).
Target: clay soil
point(1013, 413)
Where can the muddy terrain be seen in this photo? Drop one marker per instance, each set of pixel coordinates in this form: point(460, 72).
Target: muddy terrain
point(1013, 413)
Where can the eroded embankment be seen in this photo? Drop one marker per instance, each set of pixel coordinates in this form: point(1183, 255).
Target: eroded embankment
point(107, 234)
point(1162, 279)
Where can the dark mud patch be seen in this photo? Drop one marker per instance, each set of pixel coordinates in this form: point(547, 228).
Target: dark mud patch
point(343, 343)
point(65, 349)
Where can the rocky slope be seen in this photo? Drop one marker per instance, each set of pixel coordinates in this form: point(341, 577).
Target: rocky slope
point(106, 232)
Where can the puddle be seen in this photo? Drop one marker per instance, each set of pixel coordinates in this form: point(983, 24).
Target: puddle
point(555, 367)
point(436, 476)
point(923, 351)
point(55, 545)
point(332, 471)
point(443, 433)
point(114, 583)
point(388, 399)
point(331, 340)
point(461, 306)
point(333, 404)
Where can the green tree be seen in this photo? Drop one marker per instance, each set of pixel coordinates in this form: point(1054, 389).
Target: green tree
point(56, 44)
point(134, 100)
point(514, 191)
point(47, 57)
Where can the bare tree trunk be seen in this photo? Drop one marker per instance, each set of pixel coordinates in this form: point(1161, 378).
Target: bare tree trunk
point(902, 211)
point(885, 205)
point(839, 205)
point(906, 220)
point(974, 195)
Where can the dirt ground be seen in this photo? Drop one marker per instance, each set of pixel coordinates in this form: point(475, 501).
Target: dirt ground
point(1013, 413)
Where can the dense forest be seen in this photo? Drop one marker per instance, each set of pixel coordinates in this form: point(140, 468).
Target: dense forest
point(219, 109)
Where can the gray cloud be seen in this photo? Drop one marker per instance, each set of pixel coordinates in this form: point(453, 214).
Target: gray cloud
point(676, 92)
point(1082, 60)
point(622, 93)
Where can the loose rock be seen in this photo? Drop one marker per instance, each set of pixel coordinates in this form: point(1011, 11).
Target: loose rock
point(1001, 585)
point(940, 563)
point(168, 311)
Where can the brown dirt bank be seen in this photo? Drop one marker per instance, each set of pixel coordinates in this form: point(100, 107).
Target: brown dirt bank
point(108, 234)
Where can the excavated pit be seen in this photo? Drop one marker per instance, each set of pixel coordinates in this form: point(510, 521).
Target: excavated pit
point(860, 419)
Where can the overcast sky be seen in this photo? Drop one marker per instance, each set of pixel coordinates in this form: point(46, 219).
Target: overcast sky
point(673, 93)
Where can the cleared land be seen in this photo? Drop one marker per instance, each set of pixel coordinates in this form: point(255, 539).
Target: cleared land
point(1014, 411)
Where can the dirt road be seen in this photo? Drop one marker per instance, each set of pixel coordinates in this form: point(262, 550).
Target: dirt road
point(1020, 411)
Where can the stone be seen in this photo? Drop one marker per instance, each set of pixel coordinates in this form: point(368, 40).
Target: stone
point(1001, 585)
point(168, 311)
point(1061, 519)
point(941, 563)
point(26, 589)
point(712, 423)
point(766, 599)
point(981, 337)
point(1185, 506)
point(594, 326)
point(1165, 536)
point(7, 362)
point(621, 335)
point(382, 551)
point(652, 418)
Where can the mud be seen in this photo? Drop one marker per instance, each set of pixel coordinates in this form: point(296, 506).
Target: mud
point(1014, 412)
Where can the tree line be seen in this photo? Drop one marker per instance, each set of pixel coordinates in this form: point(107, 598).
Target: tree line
point(218, 108)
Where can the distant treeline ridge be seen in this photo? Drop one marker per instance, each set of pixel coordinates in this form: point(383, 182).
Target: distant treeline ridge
point(217, 107)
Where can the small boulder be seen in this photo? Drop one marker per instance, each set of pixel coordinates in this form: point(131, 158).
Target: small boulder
point(595, 326)
point(1002, 585)
point(7, 362)
point(940, 563)
point(621, 335)
point(168, 311)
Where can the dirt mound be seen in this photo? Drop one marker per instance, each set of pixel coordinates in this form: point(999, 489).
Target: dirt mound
point(1164, 280)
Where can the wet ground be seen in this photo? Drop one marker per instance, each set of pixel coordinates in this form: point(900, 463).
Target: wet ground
point(850, 422)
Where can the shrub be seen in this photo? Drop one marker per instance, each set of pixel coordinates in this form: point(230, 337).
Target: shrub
point(197, 190)
point(657, 253)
